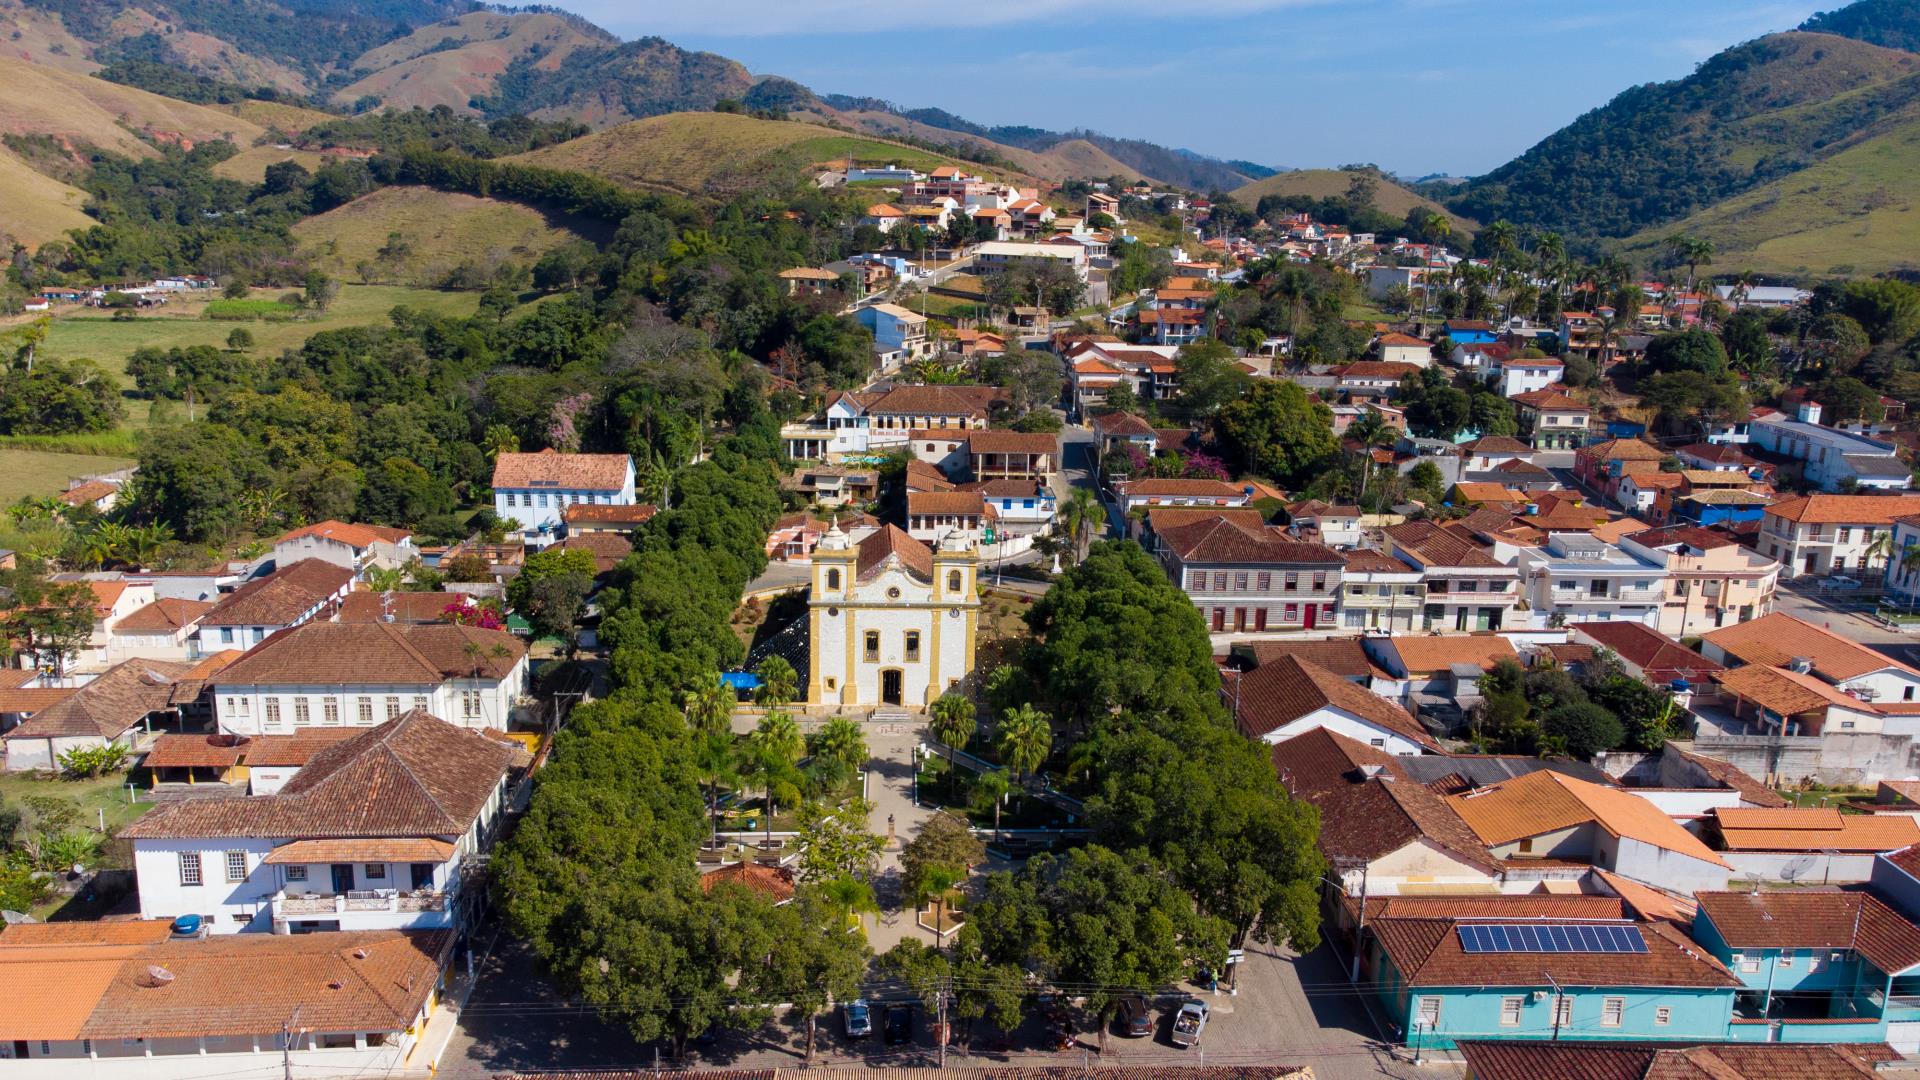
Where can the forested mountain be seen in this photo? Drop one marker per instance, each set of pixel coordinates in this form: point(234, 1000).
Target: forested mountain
point(1747, 116)
point(1892, 23)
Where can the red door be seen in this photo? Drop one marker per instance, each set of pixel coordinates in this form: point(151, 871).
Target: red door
point(1219, 619)
point(1312, 610)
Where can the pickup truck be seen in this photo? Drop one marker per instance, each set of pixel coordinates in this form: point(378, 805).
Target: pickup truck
point(1188, 1023)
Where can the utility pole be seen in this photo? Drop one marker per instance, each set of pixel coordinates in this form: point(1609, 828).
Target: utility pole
point(1558, 996)
point(286, 1044)
point(941, 1026)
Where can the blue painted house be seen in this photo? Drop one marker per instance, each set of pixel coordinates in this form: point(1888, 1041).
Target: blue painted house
point(899, 335)
point(1722, 506)
point(1814, 966)
point(1443, 979)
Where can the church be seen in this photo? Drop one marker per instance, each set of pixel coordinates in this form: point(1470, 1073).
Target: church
point(891, 621)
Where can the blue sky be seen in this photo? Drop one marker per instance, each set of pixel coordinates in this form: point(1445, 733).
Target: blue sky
point(1417, 86)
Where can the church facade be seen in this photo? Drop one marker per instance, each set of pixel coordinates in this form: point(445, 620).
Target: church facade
point(891, 620)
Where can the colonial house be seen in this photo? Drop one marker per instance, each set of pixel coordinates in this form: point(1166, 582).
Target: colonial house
point(1020, 507)
point(890, 620)
point(360, 674)
point(1491, 451)
point(128, 1001)
point(115, 597)
point(369, 605)
point(1601, 465)
point(355, 547)
point(583, 518)
point(1326, 523)
point(1372, 378)
point(1287, 697)
point(1246, 576)
point(536, 489)
point(808, 281)
point(162, 630)
point(932, 515)
point(1440, 979)
point(1711, 580)
point(372, 834)
point(1012, 455)
point(1152, 491)
point(1552, 419)
point(294, 594)
point(1467, 588)
point(1723, 457)
point(1383, 833)
point(119, 707)
point(1781, 640)
point(1832, 534)
point(872, 422)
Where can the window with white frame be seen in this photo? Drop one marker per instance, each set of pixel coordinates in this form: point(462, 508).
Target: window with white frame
point(189, 868)
point(302, 712)
point(470, 703)
point(1429, 1012)
point(366, 712)
point(1563, 1011)
point(1510, 1011)
point(236, 867)
point(273, 711)
point(393, 707)
point(330, 712)
point(1611, 1011)
point(1662, 1015)
point(296, 873)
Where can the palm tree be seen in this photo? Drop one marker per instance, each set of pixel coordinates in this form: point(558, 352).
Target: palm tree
point(1025, 740)
point(1370, 430)
point(1909, 564)
point(851, 897)
point(779, 736)
point(991, 790)
point(1079, 514)
point(779, 683)
point(934, 884)
point(709, 710)
point(952, 726)
point(1881, 547)
point(1695, 251)
point(840, 740)
point(717, 763)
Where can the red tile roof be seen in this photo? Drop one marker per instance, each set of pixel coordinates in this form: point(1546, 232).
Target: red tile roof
point(358, 536)
point(379, 654)
point(1427, 952)
point(602, 514)
point(1366, 814)
point(550, 469)
point(1779, 638)
point(120, 698)
point(1224, 539)
point(1661, 658)
point(889, 544)
point(1287, 689)
point(1537, 1060)
point(281, 597)
point(163, 616)
point(415, 775)
point(1815, 919)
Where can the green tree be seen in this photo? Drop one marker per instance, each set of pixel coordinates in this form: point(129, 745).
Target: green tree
point(195, 477)
point(1695, 350)
point(951, 720)
point(939, 856)
point(813, 961)
point(240, 339)
point(1584, 728)
point(1210, 377)
point(779, 683)
point(835, 842)
point(841, 740)
point(1277, 430)
point(709, 708)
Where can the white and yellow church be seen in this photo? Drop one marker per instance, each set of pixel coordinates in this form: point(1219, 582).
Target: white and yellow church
point(891, 621)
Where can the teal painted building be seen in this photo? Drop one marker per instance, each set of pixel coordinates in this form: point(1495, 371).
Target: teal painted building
point(1815, 966)
point(1439, 980)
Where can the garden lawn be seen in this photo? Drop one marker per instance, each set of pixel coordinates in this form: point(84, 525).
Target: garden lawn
point(108, 793)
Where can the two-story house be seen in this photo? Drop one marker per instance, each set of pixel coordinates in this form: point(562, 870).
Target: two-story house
point(292, 595)
point(1830, 457)
point(1529, 374)
point(887, 417)
point(360, 674)
point(1379, 592)
point(1020, 507)
point(371, 834)
point(1575, 577)
point(1814, 965)
point(536, 489)
point(932, 515)
point(1152, 491)
point(355, 547)
point(1287, 697)
point(899, 335)
point(1467, 588)
point(1404, 349)
point(1832, 534)
point(1012, 455)
point(1246, 576)
point(1601, 466)
point(1711, 580)
point(1551, 419)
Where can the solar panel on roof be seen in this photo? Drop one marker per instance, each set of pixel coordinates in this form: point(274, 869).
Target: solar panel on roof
point(1551, 938)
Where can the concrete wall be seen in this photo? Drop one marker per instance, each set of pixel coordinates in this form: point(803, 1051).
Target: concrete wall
point(1659, 866)
point(1802, 867)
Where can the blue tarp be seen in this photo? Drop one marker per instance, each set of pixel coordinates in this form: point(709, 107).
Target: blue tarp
point(740, 680)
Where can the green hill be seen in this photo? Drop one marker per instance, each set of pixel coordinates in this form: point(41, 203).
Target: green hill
point(703, 151)
point(1753, 114)
point(1892, 23)
point(1388, 198)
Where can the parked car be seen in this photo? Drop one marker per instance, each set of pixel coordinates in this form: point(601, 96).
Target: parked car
point(1839, 582)
point(899, 1025)
point(1189, 1023)
point(857, 1018)
point(1134, 1019)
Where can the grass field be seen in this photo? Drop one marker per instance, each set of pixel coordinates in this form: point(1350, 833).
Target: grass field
point(41, 100)
point(95, 337)
point(1856, 213)
point(288, 118)
point(1388, 196)
point(688, 152)
point(250, 165)
point(37, 472)
point(34, 207)
point(249, 310)
point(444, 229)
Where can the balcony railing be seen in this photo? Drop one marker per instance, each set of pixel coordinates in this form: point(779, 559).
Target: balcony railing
point(1623, 596)
point(389, 900)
